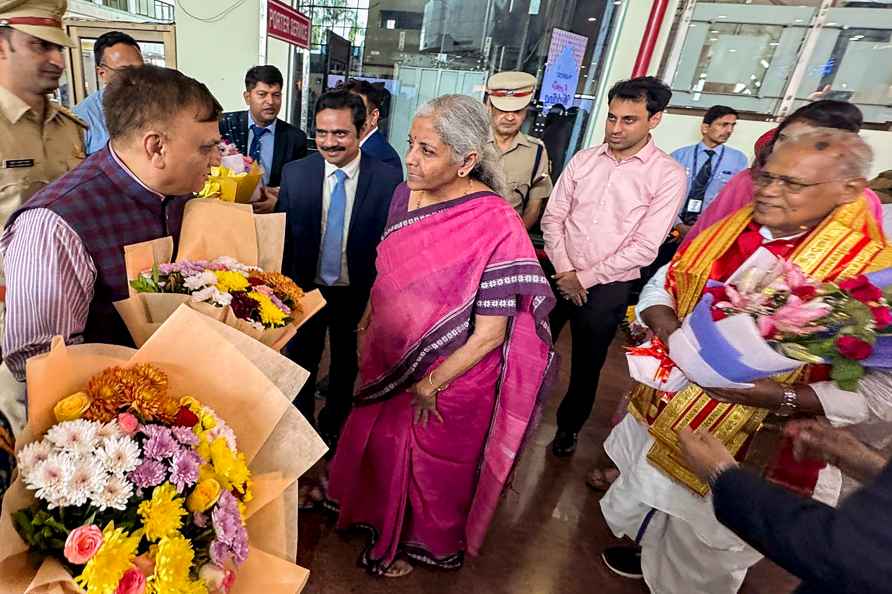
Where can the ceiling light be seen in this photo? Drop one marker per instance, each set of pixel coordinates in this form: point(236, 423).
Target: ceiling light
point(592, 19)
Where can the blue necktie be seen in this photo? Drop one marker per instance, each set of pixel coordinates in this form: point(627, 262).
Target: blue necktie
point(254, 151)
point(330, 267)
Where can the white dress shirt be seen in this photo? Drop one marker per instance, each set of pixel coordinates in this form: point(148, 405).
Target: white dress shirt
point(350, 184)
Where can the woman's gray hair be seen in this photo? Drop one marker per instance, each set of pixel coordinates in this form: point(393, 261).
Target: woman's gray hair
point(463, 123)
point(852, 154)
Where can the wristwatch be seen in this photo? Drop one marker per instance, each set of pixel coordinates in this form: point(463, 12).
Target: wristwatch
point(790, 403)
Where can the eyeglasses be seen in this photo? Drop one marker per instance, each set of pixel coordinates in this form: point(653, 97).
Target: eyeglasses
point(793, 186)
point(107, 67)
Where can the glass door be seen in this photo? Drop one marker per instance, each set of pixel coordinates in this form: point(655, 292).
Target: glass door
point(157, 42)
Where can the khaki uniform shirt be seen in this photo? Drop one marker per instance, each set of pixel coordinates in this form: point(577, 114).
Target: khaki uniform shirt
point(517, 163)
point(34, 153)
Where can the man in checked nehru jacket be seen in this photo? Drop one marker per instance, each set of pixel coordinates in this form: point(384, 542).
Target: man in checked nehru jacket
point(64, 248)
point(524, 158)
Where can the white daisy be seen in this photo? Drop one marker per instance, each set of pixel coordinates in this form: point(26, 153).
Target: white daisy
point(87, 477)
point(206, 294)
point(74, 436)
point(49, 475)
point(201, 280)
point(119, 455)
point(115, 494)
point(32, 454)
point(109, 430)
point(54, 498)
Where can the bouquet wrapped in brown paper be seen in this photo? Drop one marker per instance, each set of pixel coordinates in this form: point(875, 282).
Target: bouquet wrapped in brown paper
point(227, 267)
point(213, 374)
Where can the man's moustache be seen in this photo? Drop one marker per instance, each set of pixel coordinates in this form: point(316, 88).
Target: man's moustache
point(339, 149)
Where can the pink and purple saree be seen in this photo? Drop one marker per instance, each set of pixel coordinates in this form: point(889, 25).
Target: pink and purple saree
point(430, 493)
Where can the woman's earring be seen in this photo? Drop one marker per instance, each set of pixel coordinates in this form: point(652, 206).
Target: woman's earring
point(461, 174)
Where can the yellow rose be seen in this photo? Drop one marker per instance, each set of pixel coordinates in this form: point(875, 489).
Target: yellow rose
point(204, 496)
point(72, 407)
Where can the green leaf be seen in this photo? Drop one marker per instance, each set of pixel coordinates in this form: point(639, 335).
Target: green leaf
point(846, 373)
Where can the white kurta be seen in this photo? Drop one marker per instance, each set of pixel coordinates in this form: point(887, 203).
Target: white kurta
point(684, 547)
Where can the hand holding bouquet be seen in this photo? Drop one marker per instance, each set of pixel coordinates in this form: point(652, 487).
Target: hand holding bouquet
point(769, 318)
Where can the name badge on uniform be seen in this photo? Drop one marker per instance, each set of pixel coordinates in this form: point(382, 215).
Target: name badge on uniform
point(694, 206)
point(18, 163)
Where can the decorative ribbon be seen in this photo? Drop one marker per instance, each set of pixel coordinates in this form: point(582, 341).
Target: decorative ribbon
point(658, 351)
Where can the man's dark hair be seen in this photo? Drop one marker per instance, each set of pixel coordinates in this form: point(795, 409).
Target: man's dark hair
point(718, 111)
point(826, 113)
point(377, 96)
point(106, 40)
point(153, 95)
point(269, 75)
point(644, 88)
point(341, 98)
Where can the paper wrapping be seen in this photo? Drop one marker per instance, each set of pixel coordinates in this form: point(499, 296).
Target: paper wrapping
point(212, 229)
point(226, 185)
point(225, 370)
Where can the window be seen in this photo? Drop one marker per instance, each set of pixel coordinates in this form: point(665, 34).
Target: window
point(420, 49)
point(768, 57)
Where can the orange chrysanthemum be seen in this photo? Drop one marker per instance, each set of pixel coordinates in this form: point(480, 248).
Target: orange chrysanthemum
point(142, 388)
point(283, 287)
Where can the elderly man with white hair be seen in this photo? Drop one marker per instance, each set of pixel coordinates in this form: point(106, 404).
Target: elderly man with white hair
point(809, 208)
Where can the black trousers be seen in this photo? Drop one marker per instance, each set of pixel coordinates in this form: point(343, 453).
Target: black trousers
point(339, 319)
point(593, 326)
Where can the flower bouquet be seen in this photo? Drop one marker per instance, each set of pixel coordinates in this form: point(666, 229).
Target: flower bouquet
point(140, 473)
point(769, 318)
point(226, 267)
point(235, 179)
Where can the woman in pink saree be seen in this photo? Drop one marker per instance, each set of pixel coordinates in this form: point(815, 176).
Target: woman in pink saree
point(455, 354)
point(739, 190)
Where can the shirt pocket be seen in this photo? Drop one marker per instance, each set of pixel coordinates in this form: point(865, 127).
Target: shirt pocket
point(517, 191)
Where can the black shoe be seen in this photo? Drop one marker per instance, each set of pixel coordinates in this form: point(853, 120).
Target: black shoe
point(624, 561)
point(564, 443)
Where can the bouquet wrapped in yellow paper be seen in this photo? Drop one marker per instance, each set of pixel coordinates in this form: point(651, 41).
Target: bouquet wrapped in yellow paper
point(235, 179)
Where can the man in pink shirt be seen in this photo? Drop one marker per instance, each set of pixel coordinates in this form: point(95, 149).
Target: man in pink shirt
point(612, 207)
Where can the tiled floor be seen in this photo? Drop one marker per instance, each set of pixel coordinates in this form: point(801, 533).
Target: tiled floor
point(547, 536)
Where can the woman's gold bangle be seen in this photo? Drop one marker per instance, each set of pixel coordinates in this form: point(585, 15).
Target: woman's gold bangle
point(437, 389)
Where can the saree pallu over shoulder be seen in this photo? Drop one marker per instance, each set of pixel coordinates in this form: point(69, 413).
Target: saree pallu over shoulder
point(437, 269)
point(846, 243)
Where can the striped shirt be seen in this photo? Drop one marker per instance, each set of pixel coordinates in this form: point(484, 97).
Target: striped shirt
point(52, 290)
point(51, 281)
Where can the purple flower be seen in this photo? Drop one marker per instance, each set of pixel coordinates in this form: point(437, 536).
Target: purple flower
point(184, 435)
point(148, 474)
point(184, 469)
point(160, 444)
point(231, 542)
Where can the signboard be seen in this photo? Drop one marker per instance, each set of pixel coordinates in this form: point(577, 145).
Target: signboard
point(287, 24)
point(562, 72)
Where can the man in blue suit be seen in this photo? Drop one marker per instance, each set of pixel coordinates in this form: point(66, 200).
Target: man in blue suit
point(336, 202)
point(376, 99)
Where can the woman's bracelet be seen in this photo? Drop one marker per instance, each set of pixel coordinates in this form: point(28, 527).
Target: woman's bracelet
point(437, 389)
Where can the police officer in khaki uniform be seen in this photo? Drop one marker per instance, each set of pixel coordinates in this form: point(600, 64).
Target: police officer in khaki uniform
point(39, 140)
point(523, 158)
